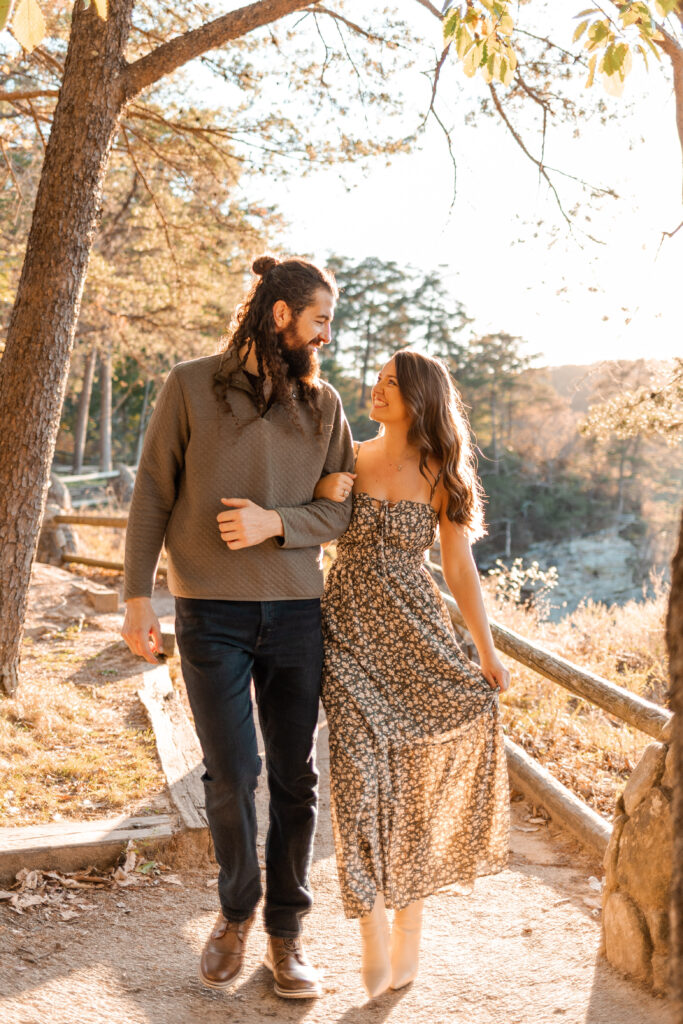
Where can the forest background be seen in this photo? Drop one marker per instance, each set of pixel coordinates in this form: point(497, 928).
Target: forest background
point(183, 213)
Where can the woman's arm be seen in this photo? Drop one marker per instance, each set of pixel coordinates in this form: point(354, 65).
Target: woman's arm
point(462, 579)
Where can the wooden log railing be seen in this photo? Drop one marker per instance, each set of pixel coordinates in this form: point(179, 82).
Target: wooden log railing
point(642, 714)
point(116, 522)
point(526, 773)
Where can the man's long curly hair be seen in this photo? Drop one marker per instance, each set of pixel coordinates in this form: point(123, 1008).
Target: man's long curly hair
point(439, 429)
point(294, 281)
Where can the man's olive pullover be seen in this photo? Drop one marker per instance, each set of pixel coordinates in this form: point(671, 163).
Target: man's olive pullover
point(198, 451)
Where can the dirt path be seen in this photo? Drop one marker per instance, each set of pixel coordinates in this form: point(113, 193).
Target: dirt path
point(522, 948)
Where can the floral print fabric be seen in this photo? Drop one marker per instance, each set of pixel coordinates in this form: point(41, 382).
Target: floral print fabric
point(417, 763)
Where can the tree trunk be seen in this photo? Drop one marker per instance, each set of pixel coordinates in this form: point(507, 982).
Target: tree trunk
point(674, 642)
point(81, 432)
point(143, 423)
point(35, 364)
point(105, 409)
point(366, 365)
point(494, 431)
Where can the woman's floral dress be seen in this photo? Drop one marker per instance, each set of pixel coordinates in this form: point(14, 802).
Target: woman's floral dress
point(417, 762)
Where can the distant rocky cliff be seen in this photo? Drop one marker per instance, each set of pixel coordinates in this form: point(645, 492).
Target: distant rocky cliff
point(605, 567)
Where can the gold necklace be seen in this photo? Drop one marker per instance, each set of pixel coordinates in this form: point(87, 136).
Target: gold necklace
point(399, 466)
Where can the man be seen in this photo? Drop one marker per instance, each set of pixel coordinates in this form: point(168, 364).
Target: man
point(232, 454)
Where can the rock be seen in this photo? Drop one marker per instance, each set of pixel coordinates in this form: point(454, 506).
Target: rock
point(627, 941)
point(102, 599)
point(661, 978)
point(123, 484)
point(55, 539)
point(58, 493)
point(668, 776)
point(659, 927)
point(610, 859)
point(646, 851)
point(168, 641)
point(603, 564)
point(645, 775)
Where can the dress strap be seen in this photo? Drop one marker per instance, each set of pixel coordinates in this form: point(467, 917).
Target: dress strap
point(356, 449)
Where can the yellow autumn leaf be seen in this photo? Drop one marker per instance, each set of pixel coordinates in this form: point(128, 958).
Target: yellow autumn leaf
point(614, 84)
point(101, 8)
point(28, 24)
point(591, 70)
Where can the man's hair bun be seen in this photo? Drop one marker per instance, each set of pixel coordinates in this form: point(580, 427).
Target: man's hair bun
point(262, 264)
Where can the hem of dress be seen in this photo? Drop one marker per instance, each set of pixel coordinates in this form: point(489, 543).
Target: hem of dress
point(484, 869)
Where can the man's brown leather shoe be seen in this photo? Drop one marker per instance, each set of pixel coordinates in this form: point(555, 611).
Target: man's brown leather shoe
point(223, 955)
point(294, 975)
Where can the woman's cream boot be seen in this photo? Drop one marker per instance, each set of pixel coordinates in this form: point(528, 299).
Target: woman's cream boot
point(374, 933)
point(405, 944)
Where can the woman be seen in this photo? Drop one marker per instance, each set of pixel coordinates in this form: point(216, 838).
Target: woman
point(417, 764)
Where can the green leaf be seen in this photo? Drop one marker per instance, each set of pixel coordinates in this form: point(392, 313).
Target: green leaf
point(665, 7)
point(614, 84)
point(28, 24)
point(450, 25)
point(463, 41)
point(643, 54)
point(5, 12)
point(580, 29)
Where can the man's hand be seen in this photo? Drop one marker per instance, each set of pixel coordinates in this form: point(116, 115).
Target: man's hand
point(141, 629)
point(247, 524)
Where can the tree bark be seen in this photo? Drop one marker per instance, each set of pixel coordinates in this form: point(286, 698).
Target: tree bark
point(81, 432)
point(105, 409)
point(34, 367)
point(674, 642)
point(674, 52)
point(143, 422)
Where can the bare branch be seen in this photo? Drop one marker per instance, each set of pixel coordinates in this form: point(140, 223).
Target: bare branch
point(176, 52)
point(674, 51)
point(26, 94)
point(430, 7)
point(358, 29)
point(155, 202)
point(520, 142)
point(435, 83)
point(669, 234)
point(10, 168)
point(36, 122)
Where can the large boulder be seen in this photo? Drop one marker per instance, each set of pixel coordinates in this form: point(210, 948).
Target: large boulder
point(646, 774)
point(646, 851)
point(627, 940)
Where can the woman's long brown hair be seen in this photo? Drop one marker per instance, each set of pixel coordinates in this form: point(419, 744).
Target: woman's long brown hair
point(440, 430)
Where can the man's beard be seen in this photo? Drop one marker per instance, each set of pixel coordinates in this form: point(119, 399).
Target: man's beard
point(302, 362)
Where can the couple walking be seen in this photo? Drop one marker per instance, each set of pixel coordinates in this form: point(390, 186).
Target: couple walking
point(248, 467)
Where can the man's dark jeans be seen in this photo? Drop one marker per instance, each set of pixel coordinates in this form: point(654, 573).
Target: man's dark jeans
point(223, 645)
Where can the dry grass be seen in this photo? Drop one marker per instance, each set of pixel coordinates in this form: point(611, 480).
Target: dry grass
point(74, 741)
point(588, 750)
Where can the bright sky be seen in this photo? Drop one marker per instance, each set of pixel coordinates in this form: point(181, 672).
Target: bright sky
point(574, 301)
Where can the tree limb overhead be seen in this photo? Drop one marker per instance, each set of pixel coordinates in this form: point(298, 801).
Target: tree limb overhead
point(176, 52)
